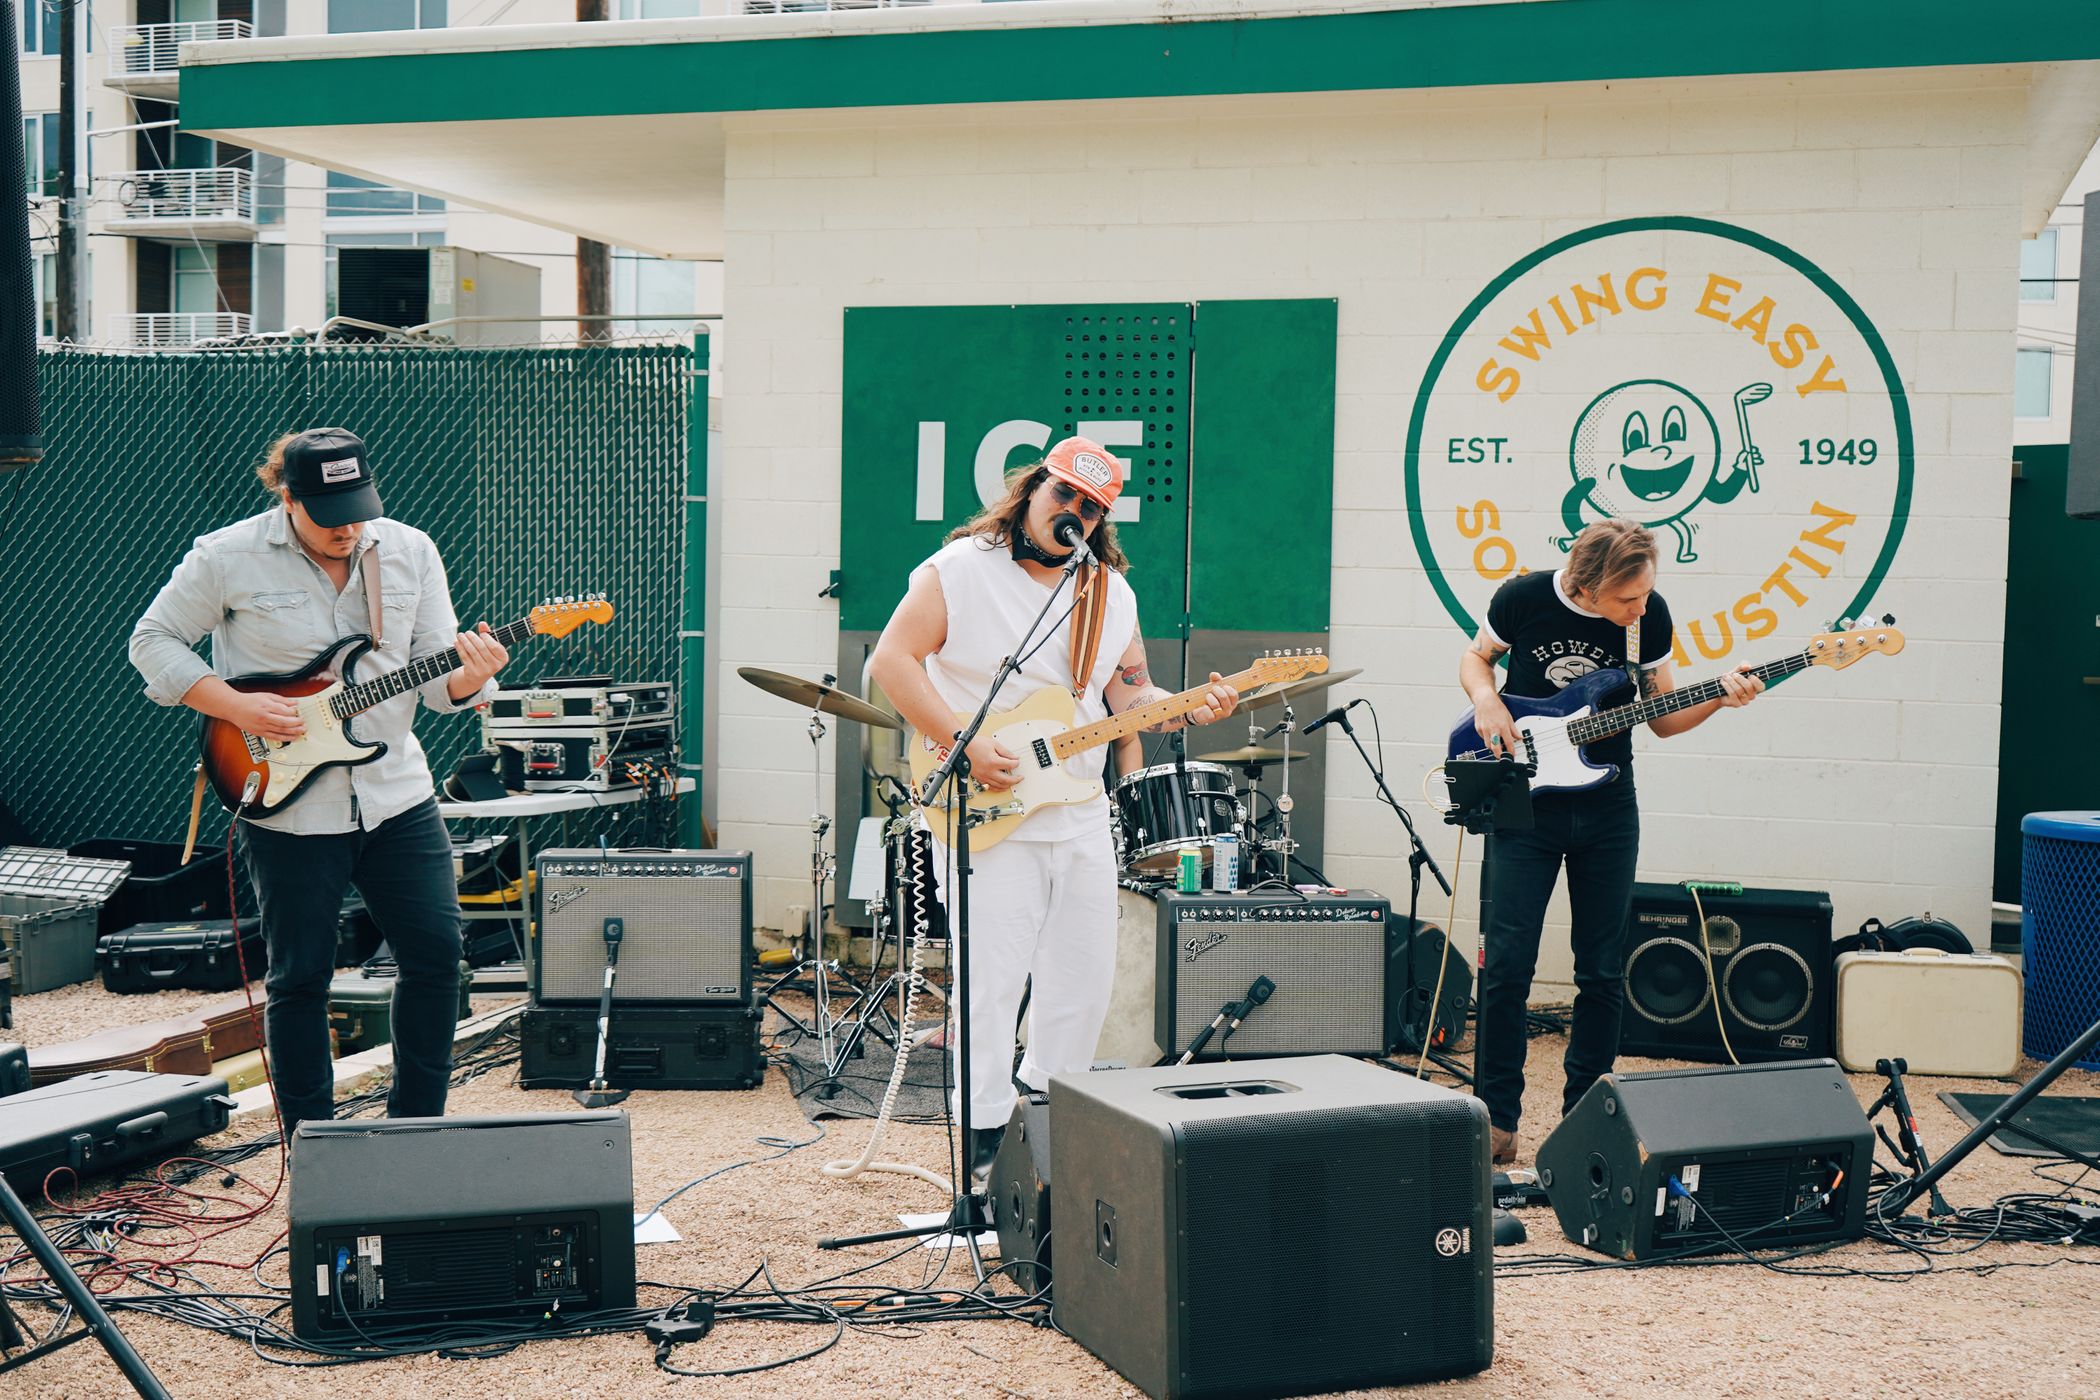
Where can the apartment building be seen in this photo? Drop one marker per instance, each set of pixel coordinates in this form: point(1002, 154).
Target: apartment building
point(2048, 322)
point(191, 239)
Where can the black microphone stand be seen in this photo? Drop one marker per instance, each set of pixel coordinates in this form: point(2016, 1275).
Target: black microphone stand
point(969, 1214)
point(1418, 858)
point(95, 1321)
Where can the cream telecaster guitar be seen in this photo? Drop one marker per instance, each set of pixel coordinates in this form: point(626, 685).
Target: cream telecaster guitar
point(1040, 731)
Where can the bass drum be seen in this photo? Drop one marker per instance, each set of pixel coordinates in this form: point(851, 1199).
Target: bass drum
point(1126, 1034)
point(1164, 811)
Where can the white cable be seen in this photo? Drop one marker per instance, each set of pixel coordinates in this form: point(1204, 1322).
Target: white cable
point(844, 1169)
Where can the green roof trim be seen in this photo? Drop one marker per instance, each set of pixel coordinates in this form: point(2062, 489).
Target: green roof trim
point(1464, 46)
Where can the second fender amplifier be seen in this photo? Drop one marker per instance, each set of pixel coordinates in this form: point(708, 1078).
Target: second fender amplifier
point(1326, 955)
point(686, 918)
point(1271, 1227)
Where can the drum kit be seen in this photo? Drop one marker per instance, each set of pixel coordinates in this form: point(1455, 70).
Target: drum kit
point(1167, 808)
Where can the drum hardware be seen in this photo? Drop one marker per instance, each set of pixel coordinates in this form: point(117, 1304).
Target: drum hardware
point(838, 1032)
point(1169, 808)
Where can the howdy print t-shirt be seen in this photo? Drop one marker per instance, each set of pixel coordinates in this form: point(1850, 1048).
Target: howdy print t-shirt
point(1553, 641)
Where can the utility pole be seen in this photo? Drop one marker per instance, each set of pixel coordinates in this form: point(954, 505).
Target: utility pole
point(593, 259)
point(72, 208)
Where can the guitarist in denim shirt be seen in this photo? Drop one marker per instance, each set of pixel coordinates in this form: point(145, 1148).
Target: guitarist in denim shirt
point(272, 591)
point(1555, 627)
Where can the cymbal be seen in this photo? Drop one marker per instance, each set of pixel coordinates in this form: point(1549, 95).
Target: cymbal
point(815, 695)
point(1270, 695)
point(1250, 756)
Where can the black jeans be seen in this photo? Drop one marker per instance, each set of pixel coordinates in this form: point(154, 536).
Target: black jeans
point(403, 868)
point(1597, 835)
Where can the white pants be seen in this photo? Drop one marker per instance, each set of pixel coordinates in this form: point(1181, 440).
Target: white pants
point(1042, 915)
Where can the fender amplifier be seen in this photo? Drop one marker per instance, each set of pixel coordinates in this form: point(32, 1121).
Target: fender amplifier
point(1674, 1162)
point(687, 920)
point(1770, 986)
point(1271, 1227)
point(1326, 955)
point(502, 1220)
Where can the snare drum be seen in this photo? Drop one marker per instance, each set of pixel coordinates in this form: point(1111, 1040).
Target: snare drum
point(1162, 813)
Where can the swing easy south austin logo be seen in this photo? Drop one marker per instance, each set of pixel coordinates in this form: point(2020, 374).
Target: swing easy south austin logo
point(1695, 377)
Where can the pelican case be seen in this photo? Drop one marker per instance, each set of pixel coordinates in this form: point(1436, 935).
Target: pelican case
point(104, 1122)
point(199, 956)
point(361, 1006)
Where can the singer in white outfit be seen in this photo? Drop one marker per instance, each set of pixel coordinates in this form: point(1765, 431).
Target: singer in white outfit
point(1042, 902)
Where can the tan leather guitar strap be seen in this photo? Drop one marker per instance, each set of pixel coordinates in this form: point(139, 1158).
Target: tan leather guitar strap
point(189, 842)
point(369, 562)
point(1087, 616)
point(1633, 660)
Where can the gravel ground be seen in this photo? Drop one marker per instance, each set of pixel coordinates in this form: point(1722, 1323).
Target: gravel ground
point(1662, 1332)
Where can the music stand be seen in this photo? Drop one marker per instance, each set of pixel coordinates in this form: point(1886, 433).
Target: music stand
point(1489, 794)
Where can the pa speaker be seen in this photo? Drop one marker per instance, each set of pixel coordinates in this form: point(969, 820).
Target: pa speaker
point(459, 1220)
point(1689, 1161)
point(1019, 1193)
point(1271, 1227)
point(1423, 966)
point(1770, 984)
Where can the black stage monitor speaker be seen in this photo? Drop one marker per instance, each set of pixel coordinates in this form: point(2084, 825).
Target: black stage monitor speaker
point(1325, 954)
point(21, 442)
point(1411, 980)
point(1775, 1155)
point(1019, 1194)
point(687, 917)
point(420, 1221)
point(1271, 1227)
point(1772, 970)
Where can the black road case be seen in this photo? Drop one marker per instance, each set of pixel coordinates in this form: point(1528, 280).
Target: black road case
point(651, 1047)
point(198, 956)
point(14, 1069)
point(361, 1006)
point(104, 1122)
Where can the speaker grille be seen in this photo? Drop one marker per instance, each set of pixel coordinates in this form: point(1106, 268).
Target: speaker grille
point(1769, 986)
point(684, 939)
point(1666, 981)
point(1310, 1213)
point(1330, 985)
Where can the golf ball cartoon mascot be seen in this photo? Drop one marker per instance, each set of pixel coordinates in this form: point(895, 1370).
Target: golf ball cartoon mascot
point(1648, 451)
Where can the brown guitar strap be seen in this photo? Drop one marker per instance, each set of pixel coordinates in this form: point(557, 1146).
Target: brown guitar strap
point(1088, 614)
point(1633, 660)
point(189, 842)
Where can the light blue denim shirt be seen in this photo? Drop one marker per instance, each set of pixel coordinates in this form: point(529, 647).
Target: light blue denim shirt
point(269, 608)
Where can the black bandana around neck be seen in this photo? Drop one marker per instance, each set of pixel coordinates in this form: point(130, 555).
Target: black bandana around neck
point(1026, 548)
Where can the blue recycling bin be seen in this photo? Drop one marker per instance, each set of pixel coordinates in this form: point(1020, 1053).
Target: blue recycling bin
point(2060, 930)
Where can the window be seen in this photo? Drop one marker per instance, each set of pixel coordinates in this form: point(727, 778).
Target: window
point(646, 286)
point(193, 281)
point(40, 146)
point(338, 241)
point(2031, 373)
point(39, 28)
point(2038, 268)
point(658, 9)
point(368, 16)
point(47, 294)
point(350, 197)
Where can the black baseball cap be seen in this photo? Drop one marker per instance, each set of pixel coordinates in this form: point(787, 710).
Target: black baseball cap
point(327, 471)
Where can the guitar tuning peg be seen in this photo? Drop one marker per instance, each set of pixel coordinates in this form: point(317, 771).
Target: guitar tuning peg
point(1844, 624)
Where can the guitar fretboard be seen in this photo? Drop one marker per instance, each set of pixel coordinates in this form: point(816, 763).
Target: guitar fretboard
point(1107, 731)
point(356, 699)
point(1607, 722)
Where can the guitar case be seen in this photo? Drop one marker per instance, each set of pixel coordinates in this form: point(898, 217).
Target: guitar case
point(184, 1044)
point(103, 1122)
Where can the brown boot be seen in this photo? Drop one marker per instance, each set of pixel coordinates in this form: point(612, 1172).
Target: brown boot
point(1502, 1146)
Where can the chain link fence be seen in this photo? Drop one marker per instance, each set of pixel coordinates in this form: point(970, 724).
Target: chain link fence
point(537, 470)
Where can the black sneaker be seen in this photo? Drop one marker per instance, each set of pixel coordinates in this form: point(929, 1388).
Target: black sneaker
point(984, 1146)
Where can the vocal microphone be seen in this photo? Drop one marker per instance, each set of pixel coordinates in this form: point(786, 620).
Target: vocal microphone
point(1067, 530)
point(1338, 714)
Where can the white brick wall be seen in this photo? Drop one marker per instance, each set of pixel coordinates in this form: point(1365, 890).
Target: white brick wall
point(1879, 788)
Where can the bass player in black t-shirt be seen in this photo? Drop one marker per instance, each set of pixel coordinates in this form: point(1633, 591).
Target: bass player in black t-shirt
point(1554, 628)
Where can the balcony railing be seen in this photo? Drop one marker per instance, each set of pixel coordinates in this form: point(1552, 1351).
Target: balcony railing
point(218, 201)
point(169, 330)
point(143, 57)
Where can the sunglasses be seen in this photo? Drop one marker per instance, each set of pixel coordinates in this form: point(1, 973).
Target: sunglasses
point(1066, 494)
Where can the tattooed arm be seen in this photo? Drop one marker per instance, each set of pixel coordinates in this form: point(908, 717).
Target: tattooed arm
point(1132, 686)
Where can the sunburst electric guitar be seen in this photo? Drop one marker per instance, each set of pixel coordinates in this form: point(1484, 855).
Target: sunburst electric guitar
point(1558, 728)
point(256, 776)
point(1039, 729)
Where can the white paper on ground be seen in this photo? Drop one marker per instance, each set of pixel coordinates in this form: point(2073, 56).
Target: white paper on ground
point(987, 1241)
point(654, 1229)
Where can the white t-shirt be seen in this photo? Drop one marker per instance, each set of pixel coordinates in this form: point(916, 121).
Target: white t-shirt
point(991, 600)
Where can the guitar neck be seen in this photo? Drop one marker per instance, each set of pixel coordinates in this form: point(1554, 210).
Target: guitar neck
point(358, 698)
point(1608, 722)
point(1107, 731)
